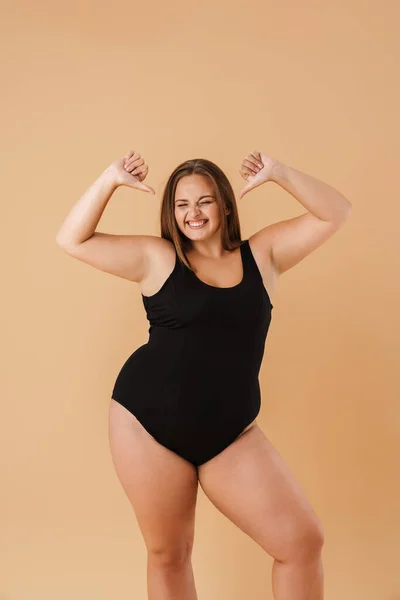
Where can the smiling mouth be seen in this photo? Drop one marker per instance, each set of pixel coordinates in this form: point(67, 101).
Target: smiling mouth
point(201, 222)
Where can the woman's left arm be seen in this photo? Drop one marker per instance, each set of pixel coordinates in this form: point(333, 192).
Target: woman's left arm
point(286, 243)
point(321, 199)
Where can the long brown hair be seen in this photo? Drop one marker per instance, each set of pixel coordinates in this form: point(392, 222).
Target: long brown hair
point(230, 226)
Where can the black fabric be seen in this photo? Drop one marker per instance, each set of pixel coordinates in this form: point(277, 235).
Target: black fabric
point(194, 384)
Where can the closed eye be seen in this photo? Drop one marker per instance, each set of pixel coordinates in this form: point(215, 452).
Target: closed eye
point(206, 202)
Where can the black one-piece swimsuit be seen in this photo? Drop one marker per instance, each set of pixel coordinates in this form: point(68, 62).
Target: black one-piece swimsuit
point(194, 384)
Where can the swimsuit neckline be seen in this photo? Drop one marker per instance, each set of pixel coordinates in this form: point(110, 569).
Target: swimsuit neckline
point(232, 287)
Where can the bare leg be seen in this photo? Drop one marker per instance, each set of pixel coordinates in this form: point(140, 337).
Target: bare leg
point(250, 483)
point(305, 577)
point(162, 488)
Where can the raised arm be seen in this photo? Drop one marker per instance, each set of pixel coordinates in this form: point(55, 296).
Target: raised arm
point(121, 255)
point(286, 243)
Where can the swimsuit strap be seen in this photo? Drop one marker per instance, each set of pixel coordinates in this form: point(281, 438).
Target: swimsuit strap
point(249, 261)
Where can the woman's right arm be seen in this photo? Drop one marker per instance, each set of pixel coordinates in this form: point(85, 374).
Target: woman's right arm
point(126, 256)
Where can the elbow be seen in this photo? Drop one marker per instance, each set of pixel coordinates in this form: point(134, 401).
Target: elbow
point(63, 244)
point(342, 215)
point(59, 241)
point(346, 212)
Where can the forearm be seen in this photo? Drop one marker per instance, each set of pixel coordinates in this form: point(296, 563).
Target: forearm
point(318, 197)
point(84, 216)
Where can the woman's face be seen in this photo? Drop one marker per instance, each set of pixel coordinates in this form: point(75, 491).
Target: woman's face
point(196, 207)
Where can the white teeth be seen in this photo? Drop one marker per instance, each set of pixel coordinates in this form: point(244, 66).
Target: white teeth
point(197, 223)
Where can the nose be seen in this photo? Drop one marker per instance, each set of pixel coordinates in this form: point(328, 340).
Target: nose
point(193, 213)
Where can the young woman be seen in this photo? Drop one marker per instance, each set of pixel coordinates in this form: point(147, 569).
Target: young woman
point(184, 405)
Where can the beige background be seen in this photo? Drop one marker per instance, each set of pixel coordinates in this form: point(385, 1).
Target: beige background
point(315, 85)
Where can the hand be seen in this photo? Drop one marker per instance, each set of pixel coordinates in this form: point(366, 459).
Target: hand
point(131, 170)
point(256, 168)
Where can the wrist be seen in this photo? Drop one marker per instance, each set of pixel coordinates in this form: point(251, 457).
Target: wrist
point(278, 172)
point(109, 177)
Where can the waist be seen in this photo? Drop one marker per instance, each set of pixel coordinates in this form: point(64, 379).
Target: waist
point(243, 349)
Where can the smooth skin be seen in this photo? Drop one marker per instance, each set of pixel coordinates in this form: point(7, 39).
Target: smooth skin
point(249, 482)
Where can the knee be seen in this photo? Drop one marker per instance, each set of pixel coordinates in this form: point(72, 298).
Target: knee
point(305, 542)
point(312, 541)
point(170, 557)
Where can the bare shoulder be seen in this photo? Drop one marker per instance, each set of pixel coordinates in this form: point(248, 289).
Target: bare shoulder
point(161, 262)
point(261, 252)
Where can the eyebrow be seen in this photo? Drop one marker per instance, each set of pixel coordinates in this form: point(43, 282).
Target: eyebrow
point(201, 197)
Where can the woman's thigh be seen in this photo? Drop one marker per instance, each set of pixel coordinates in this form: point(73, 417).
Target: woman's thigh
point(161, 486)
point(250, 483)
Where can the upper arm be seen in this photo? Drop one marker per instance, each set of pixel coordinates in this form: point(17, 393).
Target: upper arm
point(125, 256)
point(287, 242)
